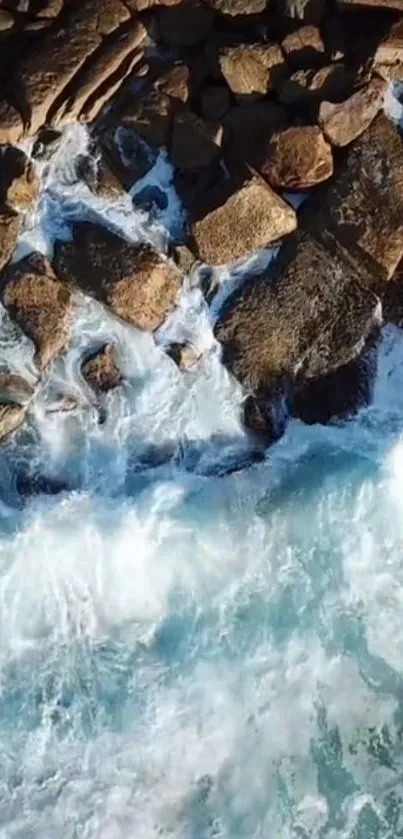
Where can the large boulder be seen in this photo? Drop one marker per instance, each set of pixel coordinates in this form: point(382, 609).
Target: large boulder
point(343, 122)
point(100, 370)
point(309, 317)
point(298, 159)
point(133, 280)
point(40, 303)
point(252, 70)
point(251, 218)
point(304, 48)
point(19, 185)
point(363, 206)
point(10, 226)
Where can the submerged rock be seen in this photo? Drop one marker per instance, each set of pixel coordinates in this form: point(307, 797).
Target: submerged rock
point(100, 370)
point(133, 280)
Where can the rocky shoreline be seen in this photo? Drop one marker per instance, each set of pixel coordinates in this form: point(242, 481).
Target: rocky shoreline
point(253, 101)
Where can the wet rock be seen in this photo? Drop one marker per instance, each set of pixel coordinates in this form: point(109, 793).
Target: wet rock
point(151, 117)
point(304, 49)
point(344, 122)
point(265, 416)
point(133, 280)
point(185, 25)
point(364, 203)
point(10, 226)
point(248, 130)
point(298, 159)
point(134, 66)
point(97, 174)
point(100, 370)
point(128, 157)
point(11, 418)
point(6, 20)
point(185, 356)
point(215, 102)
point(45, 73)
point(105, 65)
point(194, 143)
point(175, 83)
point(40, 304)
point(250, 219)
point(46, 144)
point(11, 123)
point(64, 403)
point(14, 388)
point(238, 7)
point(19, 185)
point(184, 258)
point(29, 484)
point(252, 70)
point(309, 316)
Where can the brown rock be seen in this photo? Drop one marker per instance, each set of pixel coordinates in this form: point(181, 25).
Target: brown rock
point(251, 70)
point(6, 20)
point(364, 203)
point(215, 102)
point(11, 418)
point(103, 67)
point(13, 388)
point(184, 258)
point(309, 316)
point(344, 122)
point(134, 281)
point(100, 370)
point(45, 73)
point(128, 158)
point(151, 117)
point(97, 174)
point(250, 219)
point(298, 159)
point(10, 226)
point(185, 356)
point(185, 25)
point(304, 49)
point(40, 304)
point(388, 59)
point(238, 7)
point(306, 87)
point(175, 83)
point(142, 5)
point(134, 66)
point(194, 143)
point(11, 123)
point(50, 9)
point(19, 184)
point(248, 130)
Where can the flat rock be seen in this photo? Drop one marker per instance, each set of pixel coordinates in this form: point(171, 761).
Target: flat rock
point(132, 280)
point(215, 102)
point(364, 203)
point(304, 48)
point(344, 122)
point(252, 70)
point(40, 304)
point(45, 73)
point(194, 143)
point(101, 371)
point(19, 185)
point(95, 171)
point(298, 159)
point(10, 226)
point(310, 316)
point(250, 219)
point(185, 25)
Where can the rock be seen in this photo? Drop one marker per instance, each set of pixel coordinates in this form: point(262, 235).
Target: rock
point(10, 226)
point(19, 185)
point(97, 174)
point(142, 5)
point(344, 122)
point(263, 416)
point(309, 87)
point(106, 63)
point(134, 67)
point(46, 144)
point(298, 159)
point(194, 143)
point(304, 49)
point(248, 130)
point(185, 356)
point(252, 70)
point(185, 25)
point(151, 117)
point(6, 20)
point(251, 218)
point(238, 7)
point(40, 304)
point(133, 280)
point(388, 59)
point(215, 102)
point(45, 73)
point(100, 370)
point(175, 83)
point(364, 203)
point(49, 9)
point(11, 418)
point(128, 157)
point(184, 258)
point(65, 403)
point(11, 123)
point(308, 317)
point(13, 388)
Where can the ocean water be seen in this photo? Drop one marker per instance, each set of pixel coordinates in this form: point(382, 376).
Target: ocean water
point(183, 653)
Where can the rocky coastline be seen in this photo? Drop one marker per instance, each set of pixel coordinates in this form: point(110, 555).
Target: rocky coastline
point(254, 102)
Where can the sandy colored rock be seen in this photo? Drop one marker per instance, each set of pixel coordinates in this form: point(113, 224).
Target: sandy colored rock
point(238, 7)
point(133, 280)
point(11, 123)
point(19, 185)
point(252, 69)
point(298, 159)
point(40, 304)
point(194, 143)
point(250, 219)
point(100, 370)
point(6, 20)
point(14, 388)
point(45, 73)
point(10, 226)
point(142, 5)
point(103, 67)
point(133, 66)
point(185, 356)
point(150, 116)
point(364, 203)
point(344, 122)
point(97, 174)
point(307, 317)
point(175, 83)
point(11, 418)
point(185, 25)
point(304, 48)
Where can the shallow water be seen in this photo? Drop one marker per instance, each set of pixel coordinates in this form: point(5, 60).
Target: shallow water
point(186, 655)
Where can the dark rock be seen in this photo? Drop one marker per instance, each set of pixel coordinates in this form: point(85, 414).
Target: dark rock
point(248, 130)
point(28, 484)
point(344, 122)
point(95, 171)
point(304, 48)
point(185, 356)
point(306, 88)
point(175, 83)
point(100, 370)
point(252, 70)
point(11, 123)
point(19, 184)
point(265, 416)
point(185, 25)
point(128, 157)
point(133, 280)
point(215, 102)
point(365, 4)
point(298, 159)
point(40, 304)
point(46, 144)
point(194, 143)
point(151, 117)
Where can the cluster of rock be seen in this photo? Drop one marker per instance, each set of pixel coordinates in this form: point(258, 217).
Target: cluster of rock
point(252, 99)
